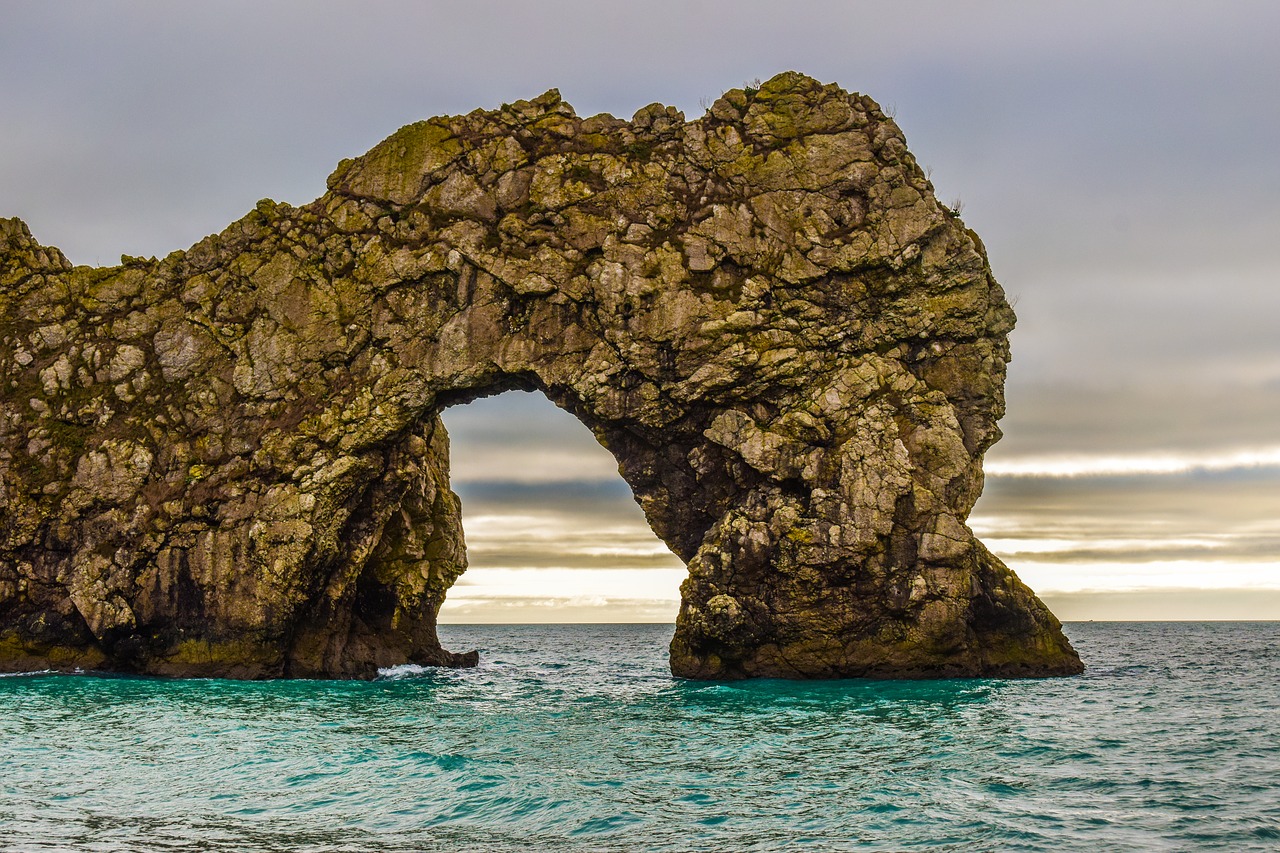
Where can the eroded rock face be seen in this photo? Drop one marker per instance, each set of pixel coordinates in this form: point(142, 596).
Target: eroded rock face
point(230, 462)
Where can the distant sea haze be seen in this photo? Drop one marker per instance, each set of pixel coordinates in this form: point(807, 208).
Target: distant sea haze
point(575, 737)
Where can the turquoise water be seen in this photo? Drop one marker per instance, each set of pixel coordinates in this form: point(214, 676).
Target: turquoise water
point(576, 738)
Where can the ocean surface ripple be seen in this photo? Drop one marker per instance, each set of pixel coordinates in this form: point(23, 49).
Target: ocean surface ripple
point(575, 737)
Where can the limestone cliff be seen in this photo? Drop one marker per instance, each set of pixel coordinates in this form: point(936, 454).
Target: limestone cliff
point(229, 462)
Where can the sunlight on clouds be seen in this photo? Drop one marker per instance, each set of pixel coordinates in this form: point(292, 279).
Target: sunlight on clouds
point(520, 465)
point(564, 595)
point(1118, 576)
point(1115, 545)
point(566, 540)
point(1133, 464)
point(1024, 547)
point(609, 583)
point(614, 540)
point(1166, 604)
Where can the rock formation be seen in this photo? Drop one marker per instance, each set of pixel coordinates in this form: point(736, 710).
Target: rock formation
point(230, 462)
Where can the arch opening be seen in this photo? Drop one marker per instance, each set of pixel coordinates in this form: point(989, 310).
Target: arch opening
point(553, 532)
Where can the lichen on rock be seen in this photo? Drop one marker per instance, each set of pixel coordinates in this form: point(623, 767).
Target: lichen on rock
point(230, 461)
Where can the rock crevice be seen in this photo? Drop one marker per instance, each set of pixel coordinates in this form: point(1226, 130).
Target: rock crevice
point(230, 461)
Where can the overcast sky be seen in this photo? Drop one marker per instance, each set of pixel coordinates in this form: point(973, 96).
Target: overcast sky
point(1118, 158)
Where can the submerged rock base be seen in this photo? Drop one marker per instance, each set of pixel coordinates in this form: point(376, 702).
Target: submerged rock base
point(230, 462)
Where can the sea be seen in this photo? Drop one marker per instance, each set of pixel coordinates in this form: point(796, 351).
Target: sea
point(576, 737)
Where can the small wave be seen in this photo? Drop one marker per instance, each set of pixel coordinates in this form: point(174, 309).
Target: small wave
point(29, 673)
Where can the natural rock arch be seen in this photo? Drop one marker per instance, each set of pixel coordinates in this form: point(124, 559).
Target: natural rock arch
point(230, 461)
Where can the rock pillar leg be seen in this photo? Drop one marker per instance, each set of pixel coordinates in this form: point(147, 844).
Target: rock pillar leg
point(779, 591)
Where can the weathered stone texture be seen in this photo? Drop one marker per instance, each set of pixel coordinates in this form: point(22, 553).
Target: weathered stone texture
point(230, 461)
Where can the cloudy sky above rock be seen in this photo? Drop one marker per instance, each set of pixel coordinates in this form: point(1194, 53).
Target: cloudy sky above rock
point(1118, 159)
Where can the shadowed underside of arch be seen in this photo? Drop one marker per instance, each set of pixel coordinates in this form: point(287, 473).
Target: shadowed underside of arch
point(229, 462)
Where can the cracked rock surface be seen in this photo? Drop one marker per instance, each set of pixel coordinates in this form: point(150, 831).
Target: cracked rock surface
point(230, 462)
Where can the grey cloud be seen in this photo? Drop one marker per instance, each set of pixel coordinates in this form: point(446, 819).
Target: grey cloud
point(513, 419)
point(558, 528)
point(1093, 412)
point(498, 442)
point(606, 495)
point(523, 554)
point(263, 99)
point(555, 609)
point(1191, 504)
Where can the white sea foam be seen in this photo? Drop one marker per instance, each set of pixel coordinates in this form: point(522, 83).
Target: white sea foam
point(30, 672)
point(404, 670)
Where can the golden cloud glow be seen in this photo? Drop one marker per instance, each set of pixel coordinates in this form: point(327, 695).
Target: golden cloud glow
point(1133, 464)
point(564, 595)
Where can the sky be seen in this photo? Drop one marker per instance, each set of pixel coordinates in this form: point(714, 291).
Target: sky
point(1117, 158)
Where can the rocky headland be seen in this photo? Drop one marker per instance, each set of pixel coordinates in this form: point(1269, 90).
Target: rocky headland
point(230, 462)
